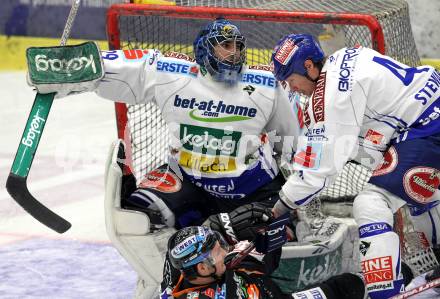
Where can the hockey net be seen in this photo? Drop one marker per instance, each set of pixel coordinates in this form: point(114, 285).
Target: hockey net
point(379, 24)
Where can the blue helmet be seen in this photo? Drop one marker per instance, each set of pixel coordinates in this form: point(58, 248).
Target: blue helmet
point(192, 245)
point(290, 53)
point(211, 35)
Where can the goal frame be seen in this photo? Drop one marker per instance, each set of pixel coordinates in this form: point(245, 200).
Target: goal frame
point(242, 14)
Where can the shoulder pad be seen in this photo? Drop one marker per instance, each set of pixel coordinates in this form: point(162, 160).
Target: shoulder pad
point(179, 56)
point(259, 75)
point(261, 67)
point(178, 63)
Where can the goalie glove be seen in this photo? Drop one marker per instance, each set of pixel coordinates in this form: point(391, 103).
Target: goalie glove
point(243, 223)
point(66, 69)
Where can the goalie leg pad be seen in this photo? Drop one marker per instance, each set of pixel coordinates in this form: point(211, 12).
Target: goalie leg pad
point(129, 231)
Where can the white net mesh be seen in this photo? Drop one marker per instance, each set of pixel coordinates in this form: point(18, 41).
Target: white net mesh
point(416, 250)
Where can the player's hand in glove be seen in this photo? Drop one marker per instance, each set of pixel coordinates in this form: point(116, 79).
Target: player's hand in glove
point(253, 222)
point(243, 223)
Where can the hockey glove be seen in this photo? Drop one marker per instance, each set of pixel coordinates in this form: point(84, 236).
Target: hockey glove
point(274, 236)
point(243, 223)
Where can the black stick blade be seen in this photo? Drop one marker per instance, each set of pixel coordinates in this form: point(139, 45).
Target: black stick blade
point(17, 188)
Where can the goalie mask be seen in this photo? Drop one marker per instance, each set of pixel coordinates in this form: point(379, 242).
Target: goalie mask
point(192, 245)
point(221, 49)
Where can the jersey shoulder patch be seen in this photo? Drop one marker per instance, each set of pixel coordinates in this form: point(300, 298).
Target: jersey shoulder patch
point(180, 56)
point(261, 67)
point(178, 63)
point(259, 75)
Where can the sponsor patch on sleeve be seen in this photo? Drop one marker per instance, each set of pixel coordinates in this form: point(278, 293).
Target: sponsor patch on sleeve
point(373, 229)
point(173, 66)
point(135, 55)
point(179, 56)
point(318, 98)
point(261, 67)
point(309, 157)
point(374, 137)
point(259, 78)
point(421, 182)
point(388, 164)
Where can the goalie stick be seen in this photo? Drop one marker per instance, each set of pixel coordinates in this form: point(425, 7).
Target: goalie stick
point(429, 285)
point(16, 183)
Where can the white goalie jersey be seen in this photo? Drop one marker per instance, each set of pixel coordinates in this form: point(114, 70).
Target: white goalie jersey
point(222, 135)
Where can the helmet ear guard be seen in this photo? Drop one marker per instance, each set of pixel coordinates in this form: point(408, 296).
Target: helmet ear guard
point(216, 33)
point(292, 51)
point(191, 246)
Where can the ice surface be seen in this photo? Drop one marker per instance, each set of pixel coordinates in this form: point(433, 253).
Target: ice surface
point(67, 176)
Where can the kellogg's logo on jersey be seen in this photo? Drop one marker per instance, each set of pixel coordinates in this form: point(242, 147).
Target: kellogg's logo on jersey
point(209, 141)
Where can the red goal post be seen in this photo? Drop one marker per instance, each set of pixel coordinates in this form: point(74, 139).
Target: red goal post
point(379, 24)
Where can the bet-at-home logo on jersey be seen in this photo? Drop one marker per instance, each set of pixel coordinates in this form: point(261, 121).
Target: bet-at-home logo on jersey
point(208, 141)
point(214, 111)
point(70, 64)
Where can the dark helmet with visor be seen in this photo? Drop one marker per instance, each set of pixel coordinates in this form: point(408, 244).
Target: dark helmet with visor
point(192, 245)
